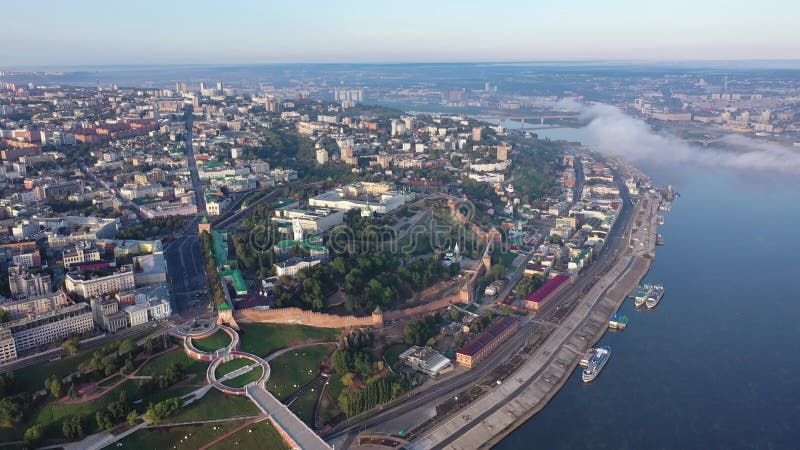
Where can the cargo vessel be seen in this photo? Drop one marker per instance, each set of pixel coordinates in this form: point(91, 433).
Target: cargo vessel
point(655, 296)
point(618, 322)
point(596, 364)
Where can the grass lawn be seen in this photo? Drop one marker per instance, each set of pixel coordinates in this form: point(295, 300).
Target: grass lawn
point(216, 405)
point(51, 415)
point(291, 371)
point(329, 407)
point(159, 364)
point(245, 378)
point(182, 436)
point(174, 391)
point(32, 377)
point(111, 381)
point(264, 338)
point(216, 341)
point(260, 435)
point(304, 406)
point(228, 367)
point(391, 353)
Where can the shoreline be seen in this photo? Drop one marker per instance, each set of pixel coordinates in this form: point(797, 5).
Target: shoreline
point(648, 260)
point(493, 417)
point(499, 437)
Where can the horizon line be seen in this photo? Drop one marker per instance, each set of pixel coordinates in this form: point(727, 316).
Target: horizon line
point(408, 62)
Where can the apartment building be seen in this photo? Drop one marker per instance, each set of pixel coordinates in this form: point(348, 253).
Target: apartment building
point(36, 305)
point(88, 287)
point(79, 255)
point(53, 326)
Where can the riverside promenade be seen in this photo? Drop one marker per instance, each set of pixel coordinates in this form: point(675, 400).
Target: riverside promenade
point(486, 421)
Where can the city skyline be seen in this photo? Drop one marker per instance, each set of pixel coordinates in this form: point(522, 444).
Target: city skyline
point(356, 31)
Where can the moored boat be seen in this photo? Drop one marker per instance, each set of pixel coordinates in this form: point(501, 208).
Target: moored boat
point(618, 322)
point(642, 294)
point(655, 296)
point(596, 364)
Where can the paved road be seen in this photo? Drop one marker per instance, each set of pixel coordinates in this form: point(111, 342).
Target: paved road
point(302, 435)
point(234, 219)
point(186, 273)
point(200, 200)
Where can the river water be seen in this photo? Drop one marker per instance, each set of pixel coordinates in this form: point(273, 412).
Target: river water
point(717, 364)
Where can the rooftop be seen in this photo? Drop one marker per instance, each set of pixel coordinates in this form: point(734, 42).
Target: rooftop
point(483, 339)
point(548, 288)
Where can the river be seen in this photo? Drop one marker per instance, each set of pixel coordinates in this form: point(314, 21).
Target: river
point(715, 365)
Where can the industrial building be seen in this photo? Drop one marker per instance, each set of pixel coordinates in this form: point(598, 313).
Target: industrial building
point(545, 292)
point(479, 348)
point(426, 360)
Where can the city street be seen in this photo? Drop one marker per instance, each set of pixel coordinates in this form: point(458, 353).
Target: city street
point(186, 274)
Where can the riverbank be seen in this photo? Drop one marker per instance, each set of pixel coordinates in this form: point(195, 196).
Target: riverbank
point(638, 270)
point(496, 414)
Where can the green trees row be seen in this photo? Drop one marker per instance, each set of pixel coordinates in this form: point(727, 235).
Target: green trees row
point(368, 280)
point(423, 331)
point(533, 170)
point(375, 392)
point(115, 412)
point(152, 227)
point(425, 272)
point(257, 260)
point(215, 291)
point(527, 285)
point(355, 355)
point(73, 427)
point(161, 410)
point(174, 373)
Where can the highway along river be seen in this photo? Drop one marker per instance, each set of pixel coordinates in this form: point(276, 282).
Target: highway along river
point(715, 365)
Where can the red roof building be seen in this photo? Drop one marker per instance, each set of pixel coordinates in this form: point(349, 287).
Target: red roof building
point(546, 292)
point(483, 345)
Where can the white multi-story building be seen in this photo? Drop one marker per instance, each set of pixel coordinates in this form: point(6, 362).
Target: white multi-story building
point(291, 267)
point(132, 192)
point(79, 255)
point(27, 259)
point(370, 197)
point(33, 306)
point(96, 228)
point(24, 284)
point(8, 349)
point(53, 326)
point(94, 287)
point(137, 314)
point(215, 206)
point(312, 220)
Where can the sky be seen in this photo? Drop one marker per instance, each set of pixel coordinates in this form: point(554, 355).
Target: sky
point(92, 32)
